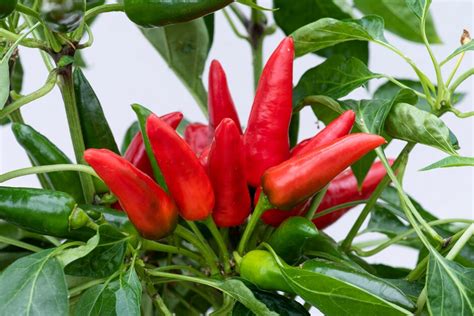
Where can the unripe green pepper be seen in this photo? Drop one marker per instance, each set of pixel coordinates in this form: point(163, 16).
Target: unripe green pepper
point(40, 211)
point(260, 268)
point(150, 13)
point(7, 7)
point(62, 16)
point(290, 238)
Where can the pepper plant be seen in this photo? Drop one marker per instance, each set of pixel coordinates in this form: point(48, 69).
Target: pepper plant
point(227, 217)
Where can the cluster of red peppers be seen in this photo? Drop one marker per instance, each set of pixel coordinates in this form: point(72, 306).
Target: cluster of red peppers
point(210, 170)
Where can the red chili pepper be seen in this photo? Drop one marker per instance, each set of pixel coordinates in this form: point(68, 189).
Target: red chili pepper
point(341, 126)
point(204, 157)
point(136, 152)
point(149, 208)
point(198, 136)
point(220, 102)
point(266, 142)
point(300, 177)
point(184, 175)
point(343, 189)
point(226, 171)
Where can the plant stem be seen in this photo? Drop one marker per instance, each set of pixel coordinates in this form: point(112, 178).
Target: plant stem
point(262, 205)
point(181, 267)
point(234, 27)
point(45, 89)
point(156, 246)
point(461, 79)
point(19, 244)
point(316, 202)
point(202, 240)
point(401, 85)
point(66, 85)
point(27, 42)
point(181, 277)
point(455, 69)
point(160, 304)
point(401, 159)
point(46, 169)
point(28, 11)
point(211, 225)
point(210, 257)
point(338, 207)
point(256, 32)
point(77, 290)
point(115, 7)
point(460, 243)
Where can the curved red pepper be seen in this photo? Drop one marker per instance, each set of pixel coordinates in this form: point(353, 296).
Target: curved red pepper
point(341, 126)
point(344, 189)
point(226, 171)
point(185, 177)
point(149, 208)
point(300, 177)
point(220, 101)
point(198, 136)
point(266, 142)
point(136, 152)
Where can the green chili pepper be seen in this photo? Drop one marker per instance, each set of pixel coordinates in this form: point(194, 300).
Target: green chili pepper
point(407, 122)
point(113, 217)
point(41, 211)
point(43, 152)
point(290, 238)
point(149, 13)
point(260, 268)
point(62, 16)
point(7, 7)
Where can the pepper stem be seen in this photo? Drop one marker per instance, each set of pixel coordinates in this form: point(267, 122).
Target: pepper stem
point(316, 202)
point(262, 205)
point(156, 246)
point(211, 225)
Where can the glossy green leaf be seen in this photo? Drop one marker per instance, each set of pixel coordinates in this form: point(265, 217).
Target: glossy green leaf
point(399, 19)
point(209, 20)
point(450, 287)
point(451, 161)
point(98, 300)
point(328, 32)
point(411, 124)
point(72, 254)
point(363, 280)
point(105, 259)
point(383, 221)
point(132, 130)
point(129, 295)
point(142, 115)
point(291, 15)
point(418, 6)
point(389, 272)
point(277, 303)
point(184, 47)
point(333, 296)
point(34, 285)
point(335, 78)
point(95, 128)
point(240, 292)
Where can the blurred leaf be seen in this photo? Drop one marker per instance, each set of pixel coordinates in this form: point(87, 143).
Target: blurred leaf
point(291, 15)
point(184, 47)
point(328, 32)
point(399, 19)
point(34, 285)
point(209, 21)
point(451, 161)
point(335, 78)
point(97, 300)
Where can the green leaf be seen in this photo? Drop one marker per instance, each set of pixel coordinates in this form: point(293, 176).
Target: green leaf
point(411, 124)
point(277, 303)
point(72, 254)
point(129, 295)
point(450, 287)
point(464, 48)
point(328, 32)
point(209, 21)
point(399, 19)
point(132, 130)
point(335, 78)
point(142, 115)
point(417, 6)
point(291, 15)
point(34, 285)
point(105, 259)
point(4, 82)
point(389, 272)
point(451, 161)
point(333, 296)
point(385, 222)
point(10, 231)
point(184, 47)
point(98, 300)
point(238, 291)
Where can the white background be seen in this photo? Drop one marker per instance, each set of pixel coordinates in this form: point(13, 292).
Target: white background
point(124, 68)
